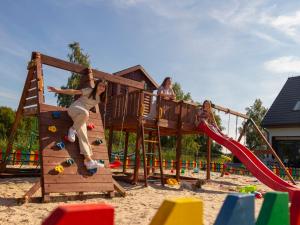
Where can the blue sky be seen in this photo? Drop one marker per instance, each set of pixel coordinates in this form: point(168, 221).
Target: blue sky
point(231, 52)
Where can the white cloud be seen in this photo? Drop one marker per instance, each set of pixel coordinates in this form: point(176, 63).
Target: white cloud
point(285, 64)
point(289, 24)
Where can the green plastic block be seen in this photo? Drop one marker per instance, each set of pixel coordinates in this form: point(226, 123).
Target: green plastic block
point(275, 209)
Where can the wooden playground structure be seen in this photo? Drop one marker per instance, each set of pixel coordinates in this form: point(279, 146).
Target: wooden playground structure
point(126, 110)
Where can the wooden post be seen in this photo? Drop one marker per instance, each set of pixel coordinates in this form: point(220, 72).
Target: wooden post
point(243, 131)
point(125, 151)
point(208, 159)
point(273, 152)
point(137, 155)
point(179, 141)
point(149, 150)
point(110, 142)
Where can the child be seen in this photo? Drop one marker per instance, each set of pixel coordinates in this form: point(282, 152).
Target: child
point(79, 112)
point(206, 114)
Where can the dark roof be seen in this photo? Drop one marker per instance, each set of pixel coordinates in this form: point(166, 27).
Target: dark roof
point(136, 68)
point(281, 112)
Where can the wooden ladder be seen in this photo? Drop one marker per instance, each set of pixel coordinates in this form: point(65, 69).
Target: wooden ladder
point(154, 140)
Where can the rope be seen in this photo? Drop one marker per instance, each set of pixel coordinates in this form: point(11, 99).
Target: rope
point(236, 127)
point(228, 124)
point(123, 117)
point(105, 107)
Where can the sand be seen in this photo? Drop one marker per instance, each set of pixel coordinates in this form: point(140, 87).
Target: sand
point(138, 207)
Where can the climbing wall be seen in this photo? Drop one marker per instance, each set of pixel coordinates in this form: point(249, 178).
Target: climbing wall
point(75, 177)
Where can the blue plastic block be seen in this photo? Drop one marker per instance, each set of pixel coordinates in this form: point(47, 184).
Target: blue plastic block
point(238, 209)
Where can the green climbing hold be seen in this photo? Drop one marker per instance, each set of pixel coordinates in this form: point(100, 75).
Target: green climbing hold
point(182, 171)
point(275, 209)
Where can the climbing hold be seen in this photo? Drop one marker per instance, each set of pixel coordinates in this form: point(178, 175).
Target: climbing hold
point(70, 162)
point(60, 145)
point(66, 138)
point(59, 169)
point(98, 141)
point(52, 129)
point(182, 171)
point(90, 126)
point(56, 115)
point(92, 171)
point(172, 171)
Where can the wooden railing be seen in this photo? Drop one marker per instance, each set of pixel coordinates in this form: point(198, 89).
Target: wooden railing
point(127, 106)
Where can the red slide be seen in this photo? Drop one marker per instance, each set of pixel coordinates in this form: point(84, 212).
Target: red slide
point(251, 162)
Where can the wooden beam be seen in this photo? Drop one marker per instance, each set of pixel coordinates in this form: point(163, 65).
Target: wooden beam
point(273, 152)
point(32, 191)
point(119, 188)
point(125, 151)
point(76, 68)
point(208, 159)
point(227, 110)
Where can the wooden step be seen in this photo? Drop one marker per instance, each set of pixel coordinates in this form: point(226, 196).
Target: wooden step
point(151, 141)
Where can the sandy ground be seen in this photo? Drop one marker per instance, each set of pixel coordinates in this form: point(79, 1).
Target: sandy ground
point(138, 207)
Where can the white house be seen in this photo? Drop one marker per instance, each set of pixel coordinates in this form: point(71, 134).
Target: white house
point(282, 122)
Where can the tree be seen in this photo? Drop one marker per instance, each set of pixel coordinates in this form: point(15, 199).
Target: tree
point(7, 117)
point(180, 95)
point(25, 133)
point(76, 56)
point(256, 112)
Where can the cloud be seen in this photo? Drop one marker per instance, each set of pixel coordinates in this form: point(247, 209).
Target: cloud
point(289, 24)
point(285, 64)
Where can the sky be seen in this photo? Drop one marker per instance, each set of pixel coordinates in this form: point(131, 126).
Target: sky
point(231, 52)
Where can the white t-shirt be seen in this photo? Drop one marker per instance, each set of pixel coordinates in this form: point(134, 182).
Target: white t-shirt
point(165, 91)
point(86, 102)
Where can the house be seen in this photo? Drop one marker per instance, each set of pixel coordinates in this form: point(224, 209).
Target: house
point(282, 122)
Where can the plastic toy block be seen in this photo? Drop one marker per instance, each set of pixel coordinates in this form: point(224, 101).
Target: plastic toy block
point(60, 145)
point(275, 209)
point(237, 209)
point(70, 162)
point(295, 208)
point(181, 211)
point(90, 126)
point(98, 141)
point(92, 214)
point(52, 129)
point(59, 169)
point(92, 171)
point(56, 115)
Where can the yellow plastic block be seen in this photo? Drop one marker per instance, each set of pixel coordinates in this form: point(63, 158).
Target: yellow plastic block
point(180, 211)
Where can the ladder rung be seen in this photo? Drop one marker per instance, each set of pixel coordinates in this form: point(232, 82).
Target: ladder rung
point(149, 128)
point(151, 141)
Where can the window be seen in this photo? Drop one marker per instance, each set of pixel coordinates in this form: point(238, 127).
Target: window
point(297, 106)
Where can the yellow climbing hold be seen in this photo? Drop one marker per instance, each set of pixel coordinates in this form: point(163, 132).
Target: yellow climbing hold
point(59, 169)
point(52, 129)
point(181, 211)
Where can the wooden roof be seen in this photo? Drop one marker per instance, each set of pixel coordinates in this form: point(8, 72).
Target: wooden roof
point(136, 68)
point(281, 112)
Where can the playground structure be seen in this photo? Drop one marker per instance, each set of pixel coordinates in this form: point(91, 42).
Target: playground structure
point(62, 168)
point(126, 111)
point(236, 209)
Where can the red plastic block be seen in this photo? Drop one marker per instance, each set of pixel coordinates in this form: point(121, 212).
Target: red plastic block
point(91, 214)
point(295, 208)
